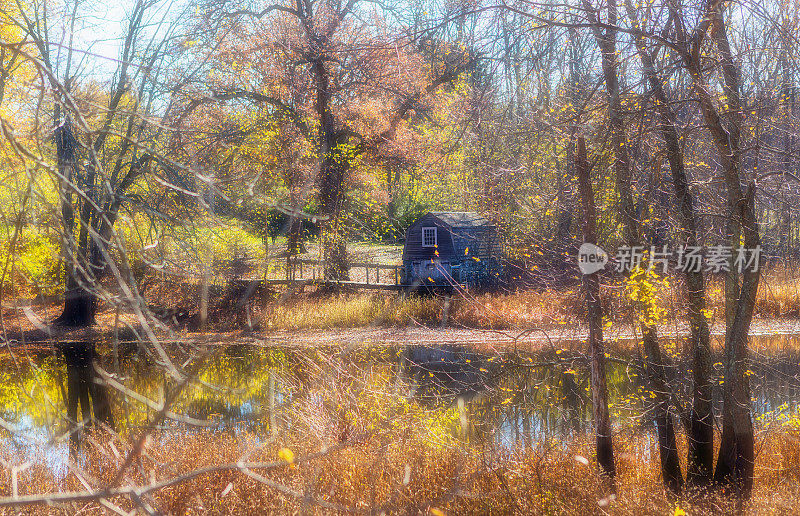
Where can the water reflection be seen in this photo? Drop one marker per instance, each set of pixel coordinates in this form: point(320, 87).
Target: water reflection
point(511, 399)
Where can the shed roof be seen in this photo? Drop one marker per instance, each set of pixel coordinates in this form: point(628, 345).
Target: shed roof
point(461, 219)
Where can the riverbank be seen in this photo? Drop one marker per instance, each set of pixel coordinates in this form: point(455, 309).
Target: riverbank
point(530, 320)
point(771, 335)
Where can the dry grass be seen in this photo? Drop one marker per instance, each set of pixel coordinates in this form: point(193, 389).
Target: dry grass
point(778, 297)
point(349, 311)
point(518, 310)
point(543, 479)
point(779, 294)
point(358, 310)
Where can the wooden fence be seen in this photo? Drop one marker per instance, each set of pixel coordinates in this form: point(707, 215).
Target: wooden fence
point(375, 275)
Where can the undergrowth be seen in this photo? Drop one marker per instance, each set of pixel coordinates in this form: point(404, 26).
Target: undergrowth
point(403, 471)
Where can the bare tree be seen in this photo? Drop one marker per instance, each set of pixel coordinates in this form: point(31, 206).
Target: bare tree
point(96, 163)
point(607, 42)
point(735, 464)
point(594, 309)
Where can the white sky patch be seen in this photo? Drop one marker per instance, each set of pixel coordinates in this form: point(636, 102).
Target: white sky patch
point(98, 35)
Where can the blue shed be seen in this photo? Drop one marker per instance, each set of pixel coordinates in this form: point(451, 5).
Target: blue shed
point(447, 247)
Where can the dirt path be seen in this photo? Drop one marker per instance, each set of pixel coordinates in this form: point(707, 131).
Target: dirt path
point(557, 337)
point(564, 336)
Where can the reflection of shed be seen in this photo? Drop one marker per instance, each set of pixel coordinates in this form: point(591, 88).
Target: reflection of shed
point(437, 371)
point(447, 247)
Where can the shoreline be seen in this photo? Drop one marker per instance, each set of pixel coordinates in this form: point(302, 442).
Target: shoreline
point(554, 336)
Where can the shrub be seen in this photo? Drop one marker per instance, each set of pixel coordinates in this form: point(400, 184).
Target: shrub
point(34, 266)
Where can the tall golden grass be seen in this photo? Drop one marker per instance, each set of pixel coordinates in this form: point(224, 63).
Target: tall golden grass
point(402, 473)
point(778, 297)
point(480, 311)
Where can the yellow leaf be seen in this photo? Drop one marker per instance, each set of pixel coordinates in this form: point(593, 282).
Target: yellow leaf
point(286, 454)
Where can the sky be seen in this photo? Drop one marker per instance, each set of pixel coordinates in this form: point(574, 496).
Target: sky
point(98, 36)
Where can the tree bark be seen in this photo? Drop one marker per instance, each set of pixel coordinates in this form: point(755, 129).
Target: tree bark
point(333, 172)
point(700, 430)
point(736, 459)
point(79, 302)
point(665, 428)
point(606, 40)
point(594, 309)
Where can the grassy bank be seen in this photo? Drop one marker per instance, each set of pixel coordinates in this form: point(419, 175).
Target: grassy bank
point(481, 311)
point(778, 297)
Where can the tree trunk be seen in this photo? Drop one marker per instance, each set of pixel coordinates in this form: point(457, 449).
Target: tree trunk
point(333, 172)
point(594, 309)
point(79, 302)
point(736, 460)
point(670, 464)
point(700, 430)
point(80, 306)
point(334, 241)
point(665, 427)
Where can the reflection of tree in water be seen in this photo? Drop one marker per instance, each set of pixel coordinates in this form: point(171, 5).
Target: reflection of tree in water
point(573, 401)
point(504, 394)
point(85, 388)
point(238, 385)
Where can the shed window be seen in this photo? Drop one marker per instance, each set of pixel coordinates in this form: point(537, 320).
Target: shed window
point(429, 237)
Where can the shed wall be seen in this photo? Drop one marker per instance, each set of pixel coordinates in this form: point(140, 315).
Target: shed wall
point(413, 250)
point(471, 252)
